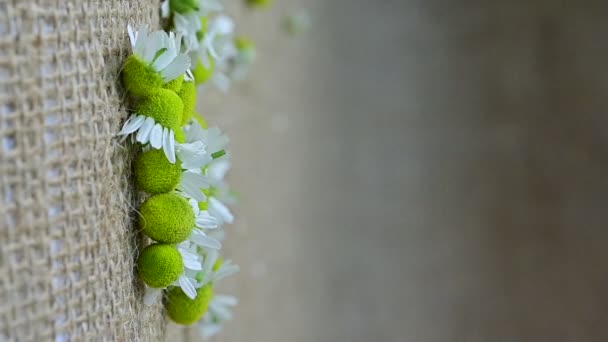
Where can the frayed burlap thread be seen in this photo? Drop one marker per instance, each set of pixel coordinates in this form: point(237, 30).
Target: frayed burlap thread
point(67, 243)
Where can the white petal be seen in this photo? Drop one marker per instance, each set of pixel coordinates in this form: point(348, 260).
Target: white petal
point(194, 265)
point(221, 81)
point(132, 124)
point(192, 183)
point(193, 155)
point(203, 240)
point(226, 300)
point(204, 220)
point(209, 330)
point(195, 207)
point(164, 9)
point(187, 286)
point(224, 25)
point(169, 146)
point(150, 295)
point(217, 208)
point(156, 137)
point(164, 137)
point(164, 59)
point(132, 38)
point(225, 270)
point(178, 66)
point(222, 312)
point(210, 259)
point(154, 43)
point(140, 40)
point(143, 135)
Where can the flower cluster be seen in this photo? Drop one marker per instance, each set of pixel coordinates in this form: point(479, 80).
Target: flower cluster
point(208, 34)
point(181, 167)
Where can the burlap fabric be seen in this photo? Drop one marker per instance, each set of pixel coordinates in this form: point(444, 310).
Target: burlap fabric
point(67, 239)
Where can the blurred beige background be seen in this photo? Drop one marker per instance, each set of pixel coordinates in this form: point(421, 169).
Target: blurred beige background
point(421, 171)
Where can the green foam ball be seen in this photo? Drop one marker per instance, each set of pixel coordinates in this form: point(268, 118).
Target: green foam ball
point(188, 96)
point(166, 218)
point(201, 73)
point(164, 106)
point(154, 173)
point(140, 78)
point(183, 310)
point(175, 84)
point(159, 265)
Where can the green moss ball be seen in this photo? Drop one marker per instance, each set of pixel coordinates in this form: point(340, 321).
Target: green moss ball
point(183, 310)
point(180, 137)
point(159, 265)
point(201, 73)
point(140, 78)
point(188, 96)
point(183, 6)
point(175, 85)
point(164, 106)
point(154, 173)
point(166, 218)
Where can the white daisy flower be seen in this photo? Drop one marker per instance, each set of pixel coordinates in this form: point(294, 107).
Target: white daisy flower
point(204, 221)
point(188, 25)
point(209, 275)
point(216, 42)
point(213, 138)
point(187, 279)
point(160, 50)
point(148, 131)
point(218, 38)
point(219, 311)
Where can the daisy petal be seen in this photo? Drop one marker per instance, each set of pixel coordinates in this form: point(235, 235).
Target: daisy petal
point(132, 124)
point(209, 330)
point(132, 38)
point(193, 155)
point(168, 145)
point(204, 220)
point(203, 240)
point(194, 265)
point(150, 295)
point(187, 286)
point(178, 66)
point(222, 312)
point(225, 271)
point(164, 59)
point(192, 183)
point(143, 135)
point(225, 300)
point(219, 210)
point(156, 137)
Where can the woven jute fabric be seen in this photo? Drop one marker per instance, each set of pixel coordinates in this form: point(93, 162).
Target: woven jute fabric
point(67, 238)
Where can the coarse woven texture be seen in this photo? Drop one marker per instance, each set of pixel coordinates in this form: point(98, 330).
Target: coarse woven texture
point(68, 245)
